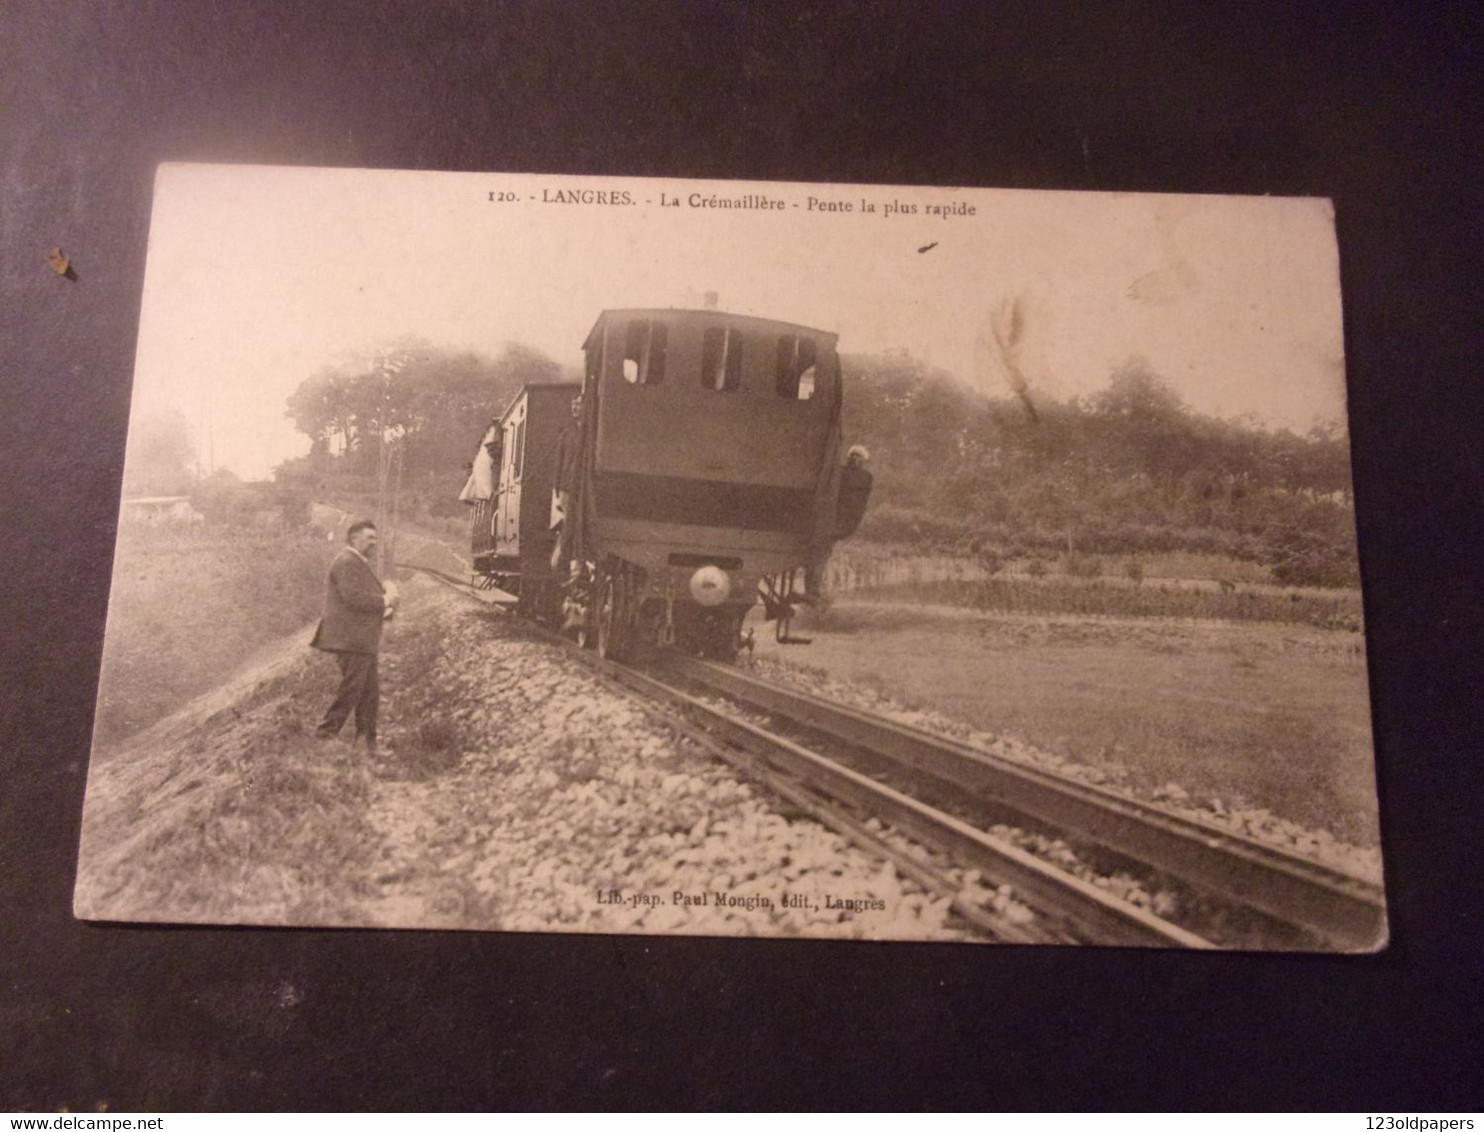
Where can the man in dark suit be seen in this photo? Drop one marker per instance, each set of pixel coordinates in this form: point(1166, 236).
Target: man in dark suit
point(356, 604)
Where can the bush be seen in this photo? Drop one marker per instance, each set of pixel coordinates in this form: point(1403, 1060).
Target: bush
point(1083, 566)
point(294, 506)
point(1119, 519)
point(1305, 558)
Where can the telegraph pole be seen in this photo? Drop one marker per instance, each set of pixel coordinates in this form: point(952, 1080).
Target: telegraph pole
point(388, 467)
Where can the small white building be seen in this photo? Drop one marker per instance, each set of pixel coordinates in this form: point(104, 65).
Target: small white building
point(160, 511)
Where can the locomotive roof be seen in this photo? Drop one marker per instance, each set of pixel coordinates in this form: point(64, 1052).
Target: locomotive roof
point(745, 321)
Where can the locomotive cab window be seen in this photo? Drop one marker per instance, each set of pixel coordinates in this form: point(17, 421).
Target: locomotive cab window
point(644, 352)
point(721, 359)
point(797, 368)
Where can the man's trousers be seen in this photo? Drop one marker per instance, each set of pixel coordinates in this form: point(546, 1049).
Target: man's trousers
point(359, 692)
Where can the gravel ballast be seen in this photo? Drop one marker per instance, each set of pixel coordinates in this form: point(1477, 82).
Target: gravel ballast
point(564, 806)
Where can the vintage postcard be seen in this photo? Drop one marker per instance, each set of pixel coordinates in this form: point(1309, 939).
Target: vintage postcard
point(536, 553)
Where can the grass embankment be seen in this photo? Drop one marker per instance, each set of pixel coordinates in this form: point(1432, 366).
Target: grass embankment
point(188, 609)
point(245, 816)
point(249, 818)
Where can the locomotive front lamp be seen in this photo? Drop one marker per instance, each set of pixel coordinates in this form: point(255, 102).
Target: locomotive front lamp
point(710, 586)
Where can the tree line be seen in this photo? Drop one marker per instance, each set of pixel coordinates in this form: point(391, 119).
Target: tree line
point(1129, 470)
point(432, 405)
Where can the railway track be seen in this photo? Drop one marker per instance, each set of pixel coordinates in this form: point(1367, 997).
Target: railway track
point(1289, 899)
point(1068, 907)
point(844, 766)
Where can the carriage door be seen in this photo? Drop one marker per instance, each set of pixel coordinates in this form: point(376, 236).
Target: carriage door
point(510, 480)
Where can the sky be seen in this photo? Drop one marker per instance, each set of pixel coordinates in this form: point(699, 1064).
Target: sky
point(258, 276)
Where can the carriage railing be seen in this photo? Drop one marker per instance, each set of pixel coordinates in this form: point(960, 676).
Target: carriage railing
point(482, 527)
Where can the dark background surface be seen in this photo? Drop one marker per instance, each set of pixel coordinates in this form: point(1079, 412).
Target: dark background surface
point(1373, 106)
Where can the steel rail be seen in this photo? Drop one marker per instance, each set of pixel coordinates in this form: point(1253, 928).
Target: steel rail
point(1086, 909)
point(1346, 911)
point(826, 812)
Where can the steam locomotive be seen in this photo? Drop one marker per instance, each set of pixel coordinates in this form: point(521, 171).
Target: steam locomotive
point(695, 468)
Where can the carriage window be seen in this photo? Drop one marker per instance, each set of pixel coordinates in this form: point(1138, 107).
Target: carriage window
point(644, 352)
point(721, 359)
point(796, 368)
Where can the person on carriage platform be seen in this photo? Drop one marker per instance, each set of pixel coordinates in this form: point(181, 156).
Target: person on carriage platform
point(564, 488)
point(484, 472)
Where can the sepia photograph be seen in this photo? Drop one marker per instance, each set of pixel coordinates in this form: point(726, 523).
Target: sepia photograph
point(509, 552)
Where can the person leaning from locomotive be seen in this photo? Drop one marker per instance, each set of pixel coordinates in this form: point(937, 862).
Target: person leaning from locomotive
point(356, 605)
point(850, 507)
point(855, 492)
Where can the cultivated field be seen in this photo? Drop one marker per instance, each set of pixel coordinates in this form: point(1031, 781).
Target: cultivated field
point(188, 608)
point(1234, 715)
